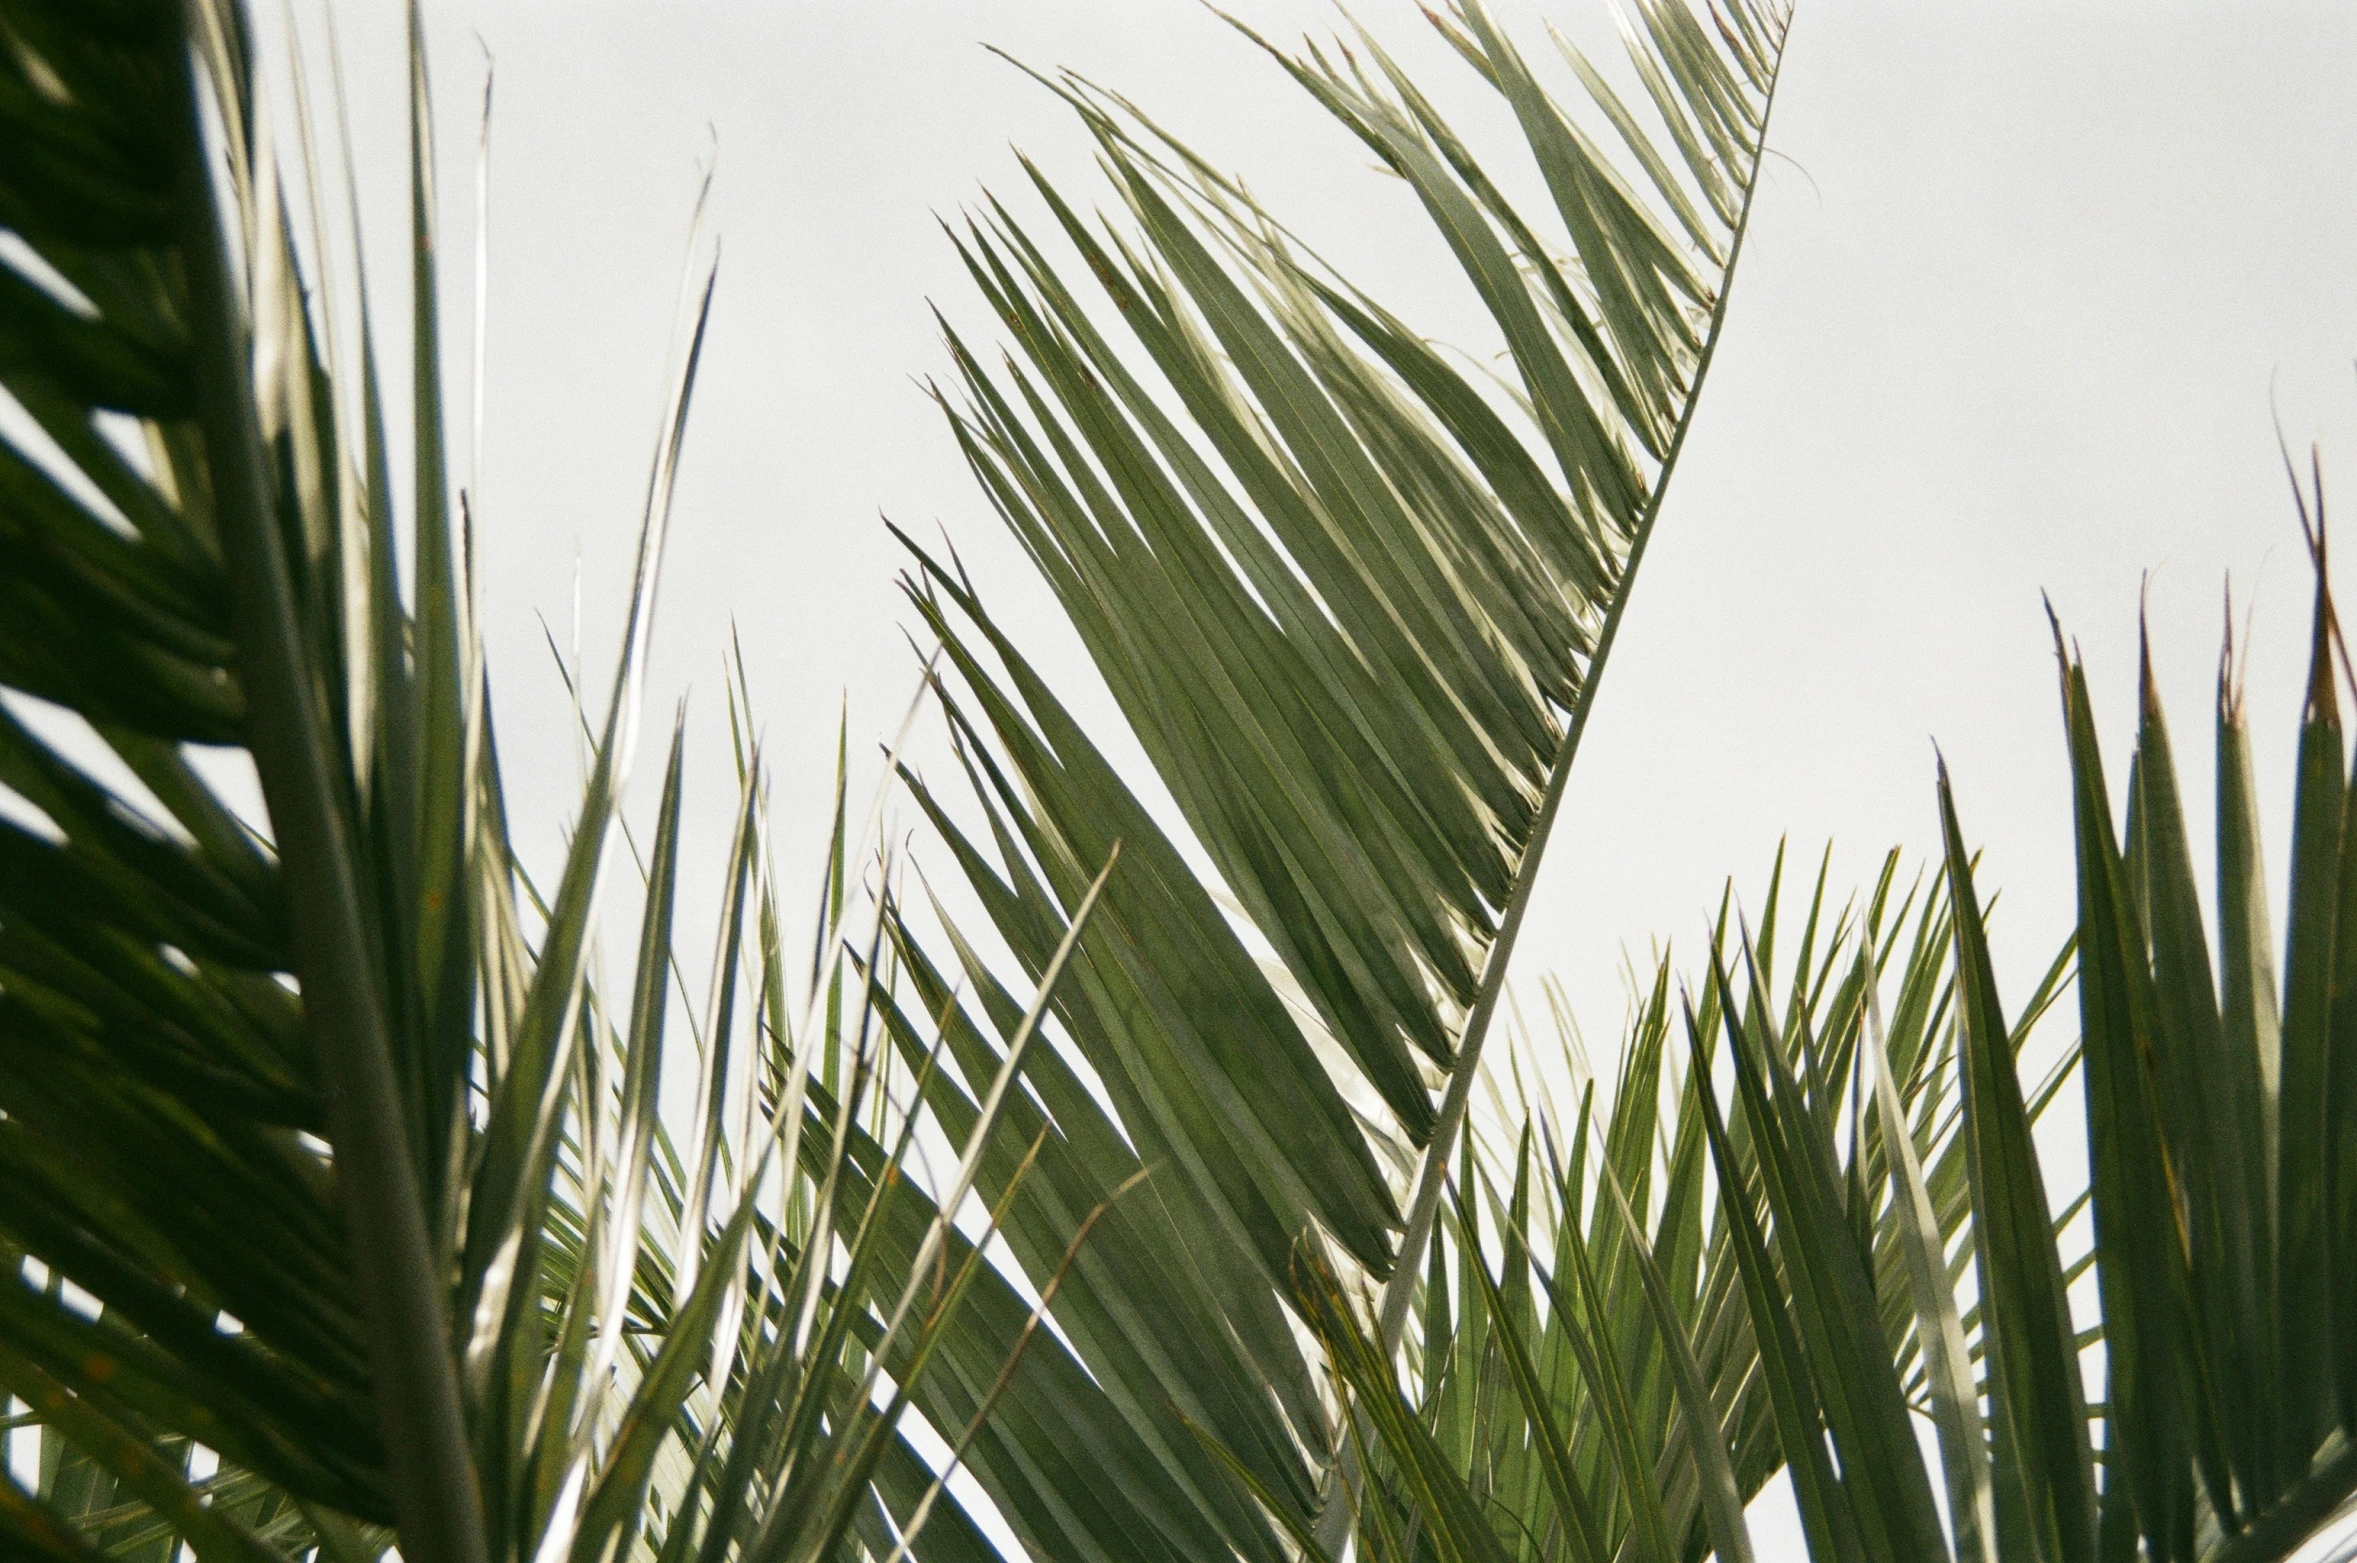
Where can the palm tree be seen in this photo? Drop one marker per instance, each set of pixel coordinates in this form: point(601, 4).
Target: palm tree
point(333, 1168)
point(347, 1202)
point(1316, 565)
point(2222, 1252)
point(1613, 1388)
point(339, 1202)
point(1356, 600)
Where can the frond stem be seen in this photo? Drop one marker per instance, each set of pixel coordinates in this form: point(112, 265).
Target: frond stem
point(1425, 1203)
point(1335, 1522)
point(401, 1302)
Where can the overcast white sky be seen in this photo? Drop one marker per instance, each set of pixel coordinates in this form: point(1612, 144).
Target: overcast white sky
point(2019, 290)
point(2026, 289)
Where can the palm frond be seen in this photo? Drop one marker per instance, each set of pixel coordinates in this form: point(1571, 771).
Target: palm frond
point(1355, 602)
point(1622, 1349)
point(2219, 1220)
point(2219, 1253)
point(339, 1206)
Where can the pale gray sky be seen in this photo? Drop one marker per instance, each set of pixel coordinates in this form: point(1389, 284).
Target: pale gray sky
point(2026, 289)
point(2019, 290)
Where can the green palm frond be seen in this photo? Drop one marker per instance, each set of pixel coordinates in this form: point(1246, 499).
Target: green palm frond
point(2222, 1219)
point(165, 1096)
point(339, 1204)
point(1608, 1360)
point(2222, 1249)
point(1355, 602)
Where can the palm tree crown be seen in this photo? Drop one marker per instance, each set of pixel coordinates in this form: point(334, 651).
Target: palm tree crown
point(1120, 1192)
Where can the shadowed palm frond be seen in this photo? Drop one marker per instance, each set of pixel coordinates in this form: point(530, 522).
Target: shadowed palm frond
point(339, 1202)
